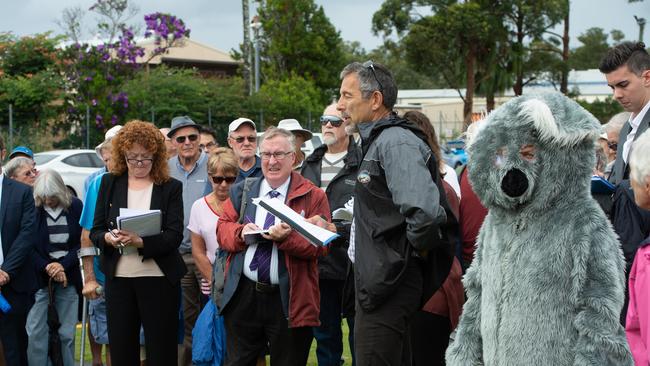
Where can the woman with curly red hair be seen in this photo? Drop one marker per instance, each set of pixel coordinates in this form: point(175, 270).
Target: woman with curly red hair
point(142, 273)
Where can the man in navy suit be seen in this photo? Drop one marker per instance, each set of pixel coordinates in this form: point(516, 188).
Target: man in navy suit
point(17, 280)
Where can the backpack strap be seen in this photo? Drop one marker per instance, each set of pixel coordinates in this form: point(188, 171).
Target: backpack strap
point(248, 182)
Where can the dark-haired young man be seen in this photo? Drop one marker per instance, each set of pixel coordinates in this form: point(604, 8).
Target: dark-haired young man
point(627, 69)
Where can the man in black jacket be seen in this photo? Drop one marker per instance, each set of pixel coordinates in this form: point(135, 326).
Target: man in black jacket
point(397, 213)
point(17, 278)
point(333, 167)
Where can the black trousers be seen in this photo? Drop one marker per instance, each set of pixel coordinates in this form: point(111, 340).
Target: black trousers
point(381, 336)
point(429, 336)
point(12, 326)
point(152, 302)
point(253, 319)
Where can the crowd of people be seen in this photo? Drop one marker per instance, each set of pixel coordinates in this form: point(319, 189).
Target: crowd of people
point(407, 223)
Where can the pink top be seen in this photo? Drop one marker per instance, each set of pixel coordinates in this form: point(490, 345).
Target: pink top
point(203, 221)
point(637, 323)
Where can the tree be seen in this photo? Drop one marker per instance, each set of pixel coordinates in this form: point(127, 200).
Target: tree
point(593, 48)
point(292, 97)
point(27, 55)
point(528, 20)
point(298, 39)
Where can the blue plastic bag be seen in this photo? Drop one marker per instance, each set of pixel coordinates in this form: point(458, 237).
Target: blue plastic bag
point(209, 338)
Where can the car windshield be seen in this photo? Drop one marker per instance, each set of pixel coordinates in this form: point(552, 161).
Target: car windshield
point(41, 159)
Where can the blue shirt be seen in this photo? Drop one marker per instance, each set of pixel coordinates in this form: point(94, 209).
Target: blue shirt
point(91, 177)
point(88, 215)
point(255, 171)
point(194, 187)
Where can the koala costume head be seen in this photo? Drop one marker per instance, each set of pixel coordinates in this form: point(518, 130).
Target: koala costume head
point(550, 137)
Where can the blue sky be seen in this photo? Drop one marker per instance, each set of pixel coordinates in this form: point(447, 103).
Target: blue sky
point(219, 22)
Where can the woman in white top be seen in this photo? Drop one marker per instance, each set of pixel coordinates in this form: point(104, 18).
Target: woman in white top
point(223, 168)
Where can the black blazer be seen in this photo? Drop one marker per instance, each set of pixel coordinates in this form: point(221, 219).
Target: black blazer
point(620, 170)
point(17, 215)
point(163, 248)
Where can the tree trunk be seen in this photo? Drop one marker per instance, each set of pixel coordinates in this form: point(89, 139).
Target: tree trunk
point(489, 101)
point(518, 88)
point(468, 103)
point(246, 49)
point(564, 83)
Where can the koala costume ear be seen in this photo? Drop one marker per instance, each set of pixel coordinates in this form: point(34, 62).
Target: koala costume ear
point(576, 126)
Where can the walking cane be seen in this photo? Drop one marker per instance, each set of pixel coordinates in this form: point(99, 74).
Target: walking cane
point(85, 252)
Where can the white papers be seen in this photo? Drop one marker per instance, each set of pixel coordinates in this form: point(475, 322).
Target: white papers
point(314, 234)
point(142, 222)
point(257, 232)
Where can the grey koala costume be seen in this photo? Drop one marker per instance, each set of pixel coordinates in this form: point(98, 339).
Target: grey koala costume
point(546, 285)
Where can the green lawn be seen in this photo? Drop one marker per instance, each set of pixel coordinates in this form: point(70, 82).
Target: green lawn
point(312, 354)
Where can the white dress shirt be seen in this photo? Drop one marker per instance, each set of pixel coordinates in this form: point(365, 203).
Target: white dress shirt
point(260, 217)
point(634, 123)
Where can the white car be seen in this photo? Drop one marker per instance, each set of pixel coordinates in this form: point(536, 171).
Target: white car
point(73, 165)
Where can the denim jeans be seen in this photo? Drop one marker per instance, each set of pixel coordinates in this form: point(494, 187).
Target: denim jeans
point(66, 303)
point(329, 342)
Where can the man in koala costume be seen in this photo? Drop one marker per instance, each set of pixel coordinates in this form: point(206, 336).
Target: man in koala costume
point(546, 284)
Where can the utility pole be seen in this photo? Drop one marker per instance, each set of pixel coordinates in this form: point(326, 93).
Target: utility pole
point(641, 23)
point(256, 25)
point(247, 47)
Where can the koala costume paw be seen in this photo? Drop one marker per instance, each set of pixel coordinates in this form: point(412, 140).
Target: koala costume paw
point(546, 285)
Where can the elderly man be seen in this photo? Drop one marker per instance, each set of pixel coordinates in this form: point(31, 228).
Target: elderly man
point(271, 288)
point(397, 210)
point(301, 135)
point(17, 278)
point(103, 151)
point(333, 167)
point(189, 167)
point(242, 139)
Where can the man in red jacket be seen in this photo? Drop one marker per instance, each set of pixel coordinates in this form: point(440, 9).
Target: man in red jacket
point(271, 288)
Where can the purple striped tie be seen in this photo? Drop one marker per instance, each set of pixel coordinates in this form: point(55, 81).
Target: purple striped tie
point(262, 257)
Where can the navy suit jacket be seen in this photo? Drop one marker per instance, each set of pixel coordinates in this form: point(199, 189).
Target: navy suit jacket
point(620, 170)
point(17, 215)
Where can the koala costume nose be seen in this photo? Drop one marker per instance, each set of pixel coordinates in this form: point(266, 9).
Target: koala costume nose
point(515, 183)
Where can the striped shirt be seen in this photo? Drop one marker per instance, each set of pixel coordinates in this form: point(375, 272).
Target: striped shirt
point(330, 167)
point(57, 228)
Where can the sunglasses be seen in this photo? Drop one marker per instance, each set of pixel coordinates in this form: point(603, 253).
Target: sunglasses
point(241, 139)
point(612, 145)
point(370, 65)
point(181, 139)
point(333, 120)
point(219, 180)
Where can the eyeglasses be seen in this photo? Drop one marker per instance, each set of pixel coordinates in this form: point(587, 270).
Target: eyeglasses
point(612, 145)
point(370, 65)
point(240, 139)
point(333, 120)
point(278, 155)
point(181, 139)
point(31, 173)
point(140, 162)
point(218, 180)
point(208, 145)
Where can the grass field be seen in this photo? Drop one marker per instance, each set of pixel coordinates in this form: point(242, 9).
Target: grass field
point(312, 353)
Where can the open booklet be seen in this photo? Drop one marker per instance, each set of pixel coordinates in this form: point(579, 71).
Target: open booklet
point(142, 222)
point(314, 234)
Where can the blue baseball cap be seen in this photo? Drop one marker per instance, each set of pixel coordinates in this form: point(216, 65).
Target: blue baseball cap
point(24, 150)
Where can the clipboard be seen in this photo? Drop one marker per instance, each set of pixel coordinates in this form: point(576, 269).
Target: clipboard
point(316, 235)
point(601, 186)
point(142, 222)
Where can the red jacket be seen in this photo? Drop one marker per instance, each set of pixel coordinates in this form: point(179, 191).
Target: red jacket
point(300, 256)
